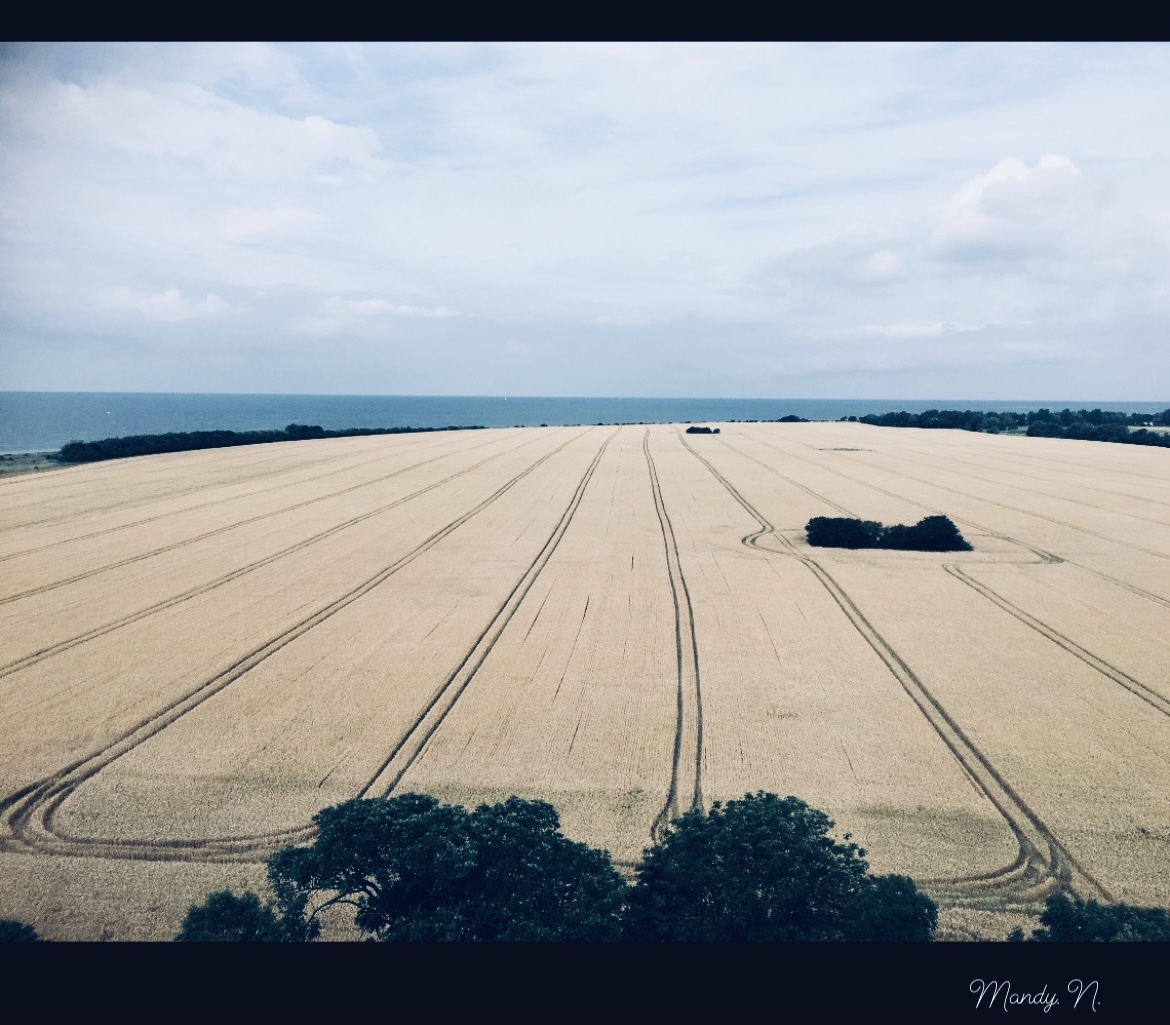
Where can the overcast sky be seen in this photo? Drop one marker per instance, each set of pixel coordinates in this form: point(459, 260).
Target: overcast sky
point(757, 220)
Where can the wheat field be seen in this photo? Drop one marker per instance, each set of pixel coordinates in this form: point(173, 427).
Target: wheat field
point(198, 651)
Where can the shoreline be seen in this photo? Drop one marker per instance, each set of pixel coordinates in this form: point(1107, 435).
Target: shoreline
point(15, 464)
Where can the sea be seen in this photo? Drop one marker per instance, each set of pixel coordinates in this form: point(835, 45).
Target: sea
point(44, 421)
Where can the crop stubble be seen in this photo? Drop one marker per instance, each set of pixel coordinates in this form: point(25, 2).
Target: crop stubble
point(202, 649)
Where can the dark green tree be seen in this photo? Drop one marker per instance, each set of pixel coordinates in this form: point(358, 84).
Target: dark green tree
point(12, 931)
point(933, 534)
point(1078, 921)
point(764, 868)
point(415, 869)
point(892, 909)
point(843, 532)
point(226, 918)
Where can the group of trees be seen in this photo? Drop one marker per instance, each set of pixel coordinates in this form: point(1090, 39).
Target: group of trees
point(1078, 921)
point(930, 534)
point(187, 441)
point(1085, 424)
point(412, 868)
point(763, 868)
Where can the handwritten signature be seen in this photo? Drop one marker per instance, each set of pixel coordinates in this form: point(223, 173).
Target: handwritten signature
point(994, 991)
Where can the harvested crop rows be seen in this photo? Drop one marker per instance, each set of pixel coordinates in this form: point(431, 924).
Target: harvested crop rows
point(198, 651)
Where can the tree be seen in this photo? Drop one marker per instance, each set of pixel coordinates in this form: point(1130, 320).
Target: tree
point(933, 534)
point(12, 931)
point(843, 532)
point(226, 918)
point(416, 869)
point(929, 534)
point(765, 868)
point(892, 908)
point(1077, 921)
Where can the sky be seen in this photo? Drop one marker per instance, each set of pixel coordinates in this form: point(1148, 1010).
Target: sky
point(862, 220)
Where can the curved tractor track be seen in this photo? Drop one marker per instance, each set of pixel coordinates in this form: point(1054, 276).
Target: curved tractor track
point(1044, 556)
point(1043, 863)
point(688, 731)
point(1118, 676)
point(27, 815)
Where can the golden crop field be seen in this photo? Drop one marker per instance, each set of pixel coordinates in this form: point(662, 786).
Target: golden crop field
point(198, 651)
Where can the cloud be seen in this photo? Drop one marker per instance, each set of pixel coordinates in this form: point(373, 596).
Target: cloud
point(917, 330)
point(240, 223)
point(186, 122)
point(168, 307)
point(335, 315)
point(379, 307)
point(1012, 208)
point(781, 206)
point(884, 265)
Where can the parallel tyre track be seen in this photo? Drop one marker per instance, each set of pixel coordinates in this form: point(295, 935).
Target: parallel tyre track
point(132, 502)
point(26, 815)
point(109, 567)
point(688, 731)
point(248, 495)
point(1043, 862)
point(40, 655)
point(1044, 556)
point(413, 741)
point(1123, 679)
point(1037, 515)
point(1118, 676)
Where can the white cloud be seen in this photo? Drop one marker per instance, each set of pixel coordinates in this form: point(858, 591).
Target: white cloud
point(186, 122)
point(856, 202)
point(336, 315)
point(1013, 207)
point(335, 306)
point(910, 329)
point(238, 224)
point(884, 265)
point(169, 306)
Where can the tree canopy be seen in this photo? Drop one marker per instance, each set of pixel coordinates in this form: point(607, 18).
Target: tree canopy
point(416, 869)
point(412, 868)
point(12, 931)
point(226, 918)
point(765, 868)
point(929, 534)
point(1076, 921)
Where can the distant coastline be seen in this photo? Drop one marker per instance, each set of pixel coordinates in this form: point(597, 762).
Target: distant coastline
point(45, 421)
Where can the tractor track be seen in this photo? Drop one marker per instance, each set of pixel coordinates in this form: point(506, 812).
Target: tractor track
point(949, 461)
point(688, 730)
point(130, 503)
point(1043, 555)
point(1118, 676)
point(250, 495)
point(175, 546)
point(1123, 679)
point(1043, 863)
point(39, 656)
point(1031, 512)
point(393, 768)
point(27, 814)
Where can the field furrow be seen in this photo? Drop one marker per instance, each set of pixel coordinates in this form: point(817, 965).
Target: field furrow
point(200, 650)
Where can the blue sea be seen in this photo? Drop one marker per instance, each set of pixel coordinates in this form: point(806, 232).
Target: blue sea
point(44, 421)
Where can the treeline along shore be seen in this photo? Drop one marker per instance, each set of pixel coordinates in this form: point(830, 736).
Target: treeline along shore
point(151, 444)
point(1083, 424)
